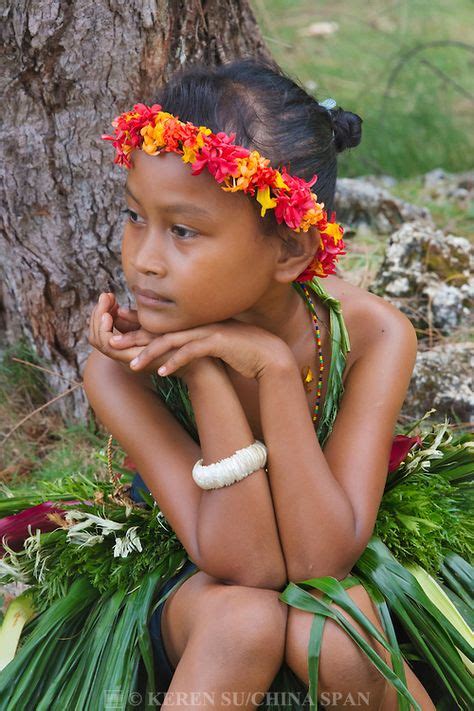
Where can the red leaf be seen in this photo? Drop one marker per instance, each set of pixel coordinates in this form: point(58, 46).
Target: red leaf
point(128, 463)
point(15, 527)
point(401, 445)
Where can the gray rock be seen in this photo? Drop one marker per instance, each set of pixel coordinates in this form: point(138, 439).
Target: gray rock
point(361, 201)
point(427, 275)
point(443, 379)
point(381, 181)
point(441, 186)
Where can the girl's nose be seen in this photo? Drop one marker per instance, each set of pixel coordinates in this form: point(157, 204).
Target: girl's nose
point(149, 256)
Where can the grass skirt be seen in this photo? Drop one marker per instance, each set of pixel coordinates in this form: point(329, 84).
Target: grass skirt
point(97, 564)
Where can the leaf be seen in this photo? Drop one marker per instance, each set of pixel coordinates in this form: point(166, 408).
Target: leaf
point(19, 611)
point(23, 679)
point(340, 347)
point(429, 630)
point(295, 596)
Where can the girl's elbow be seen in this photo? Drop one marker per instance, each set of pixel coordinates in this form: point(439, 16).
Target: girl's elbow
point(254, 576)
point(305, 570)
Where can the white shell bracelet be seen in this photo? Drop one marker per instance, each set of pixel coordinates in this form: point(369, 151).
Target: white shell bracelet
point(231, 469)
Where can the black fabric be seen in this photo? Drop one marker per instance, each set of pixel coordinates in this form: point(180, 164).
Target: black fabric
point(164, 670)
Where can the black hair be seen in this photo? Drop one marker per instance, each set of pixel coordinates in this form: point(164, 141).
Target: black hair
point(269, 112)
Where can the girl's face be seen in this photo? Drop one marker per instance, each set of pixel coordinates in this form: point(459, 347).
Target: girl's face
point(193, 243)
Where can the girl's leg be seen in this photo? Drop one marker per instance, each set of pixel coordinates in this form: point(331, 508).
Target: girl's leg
point(227, 643)
point(345, 673)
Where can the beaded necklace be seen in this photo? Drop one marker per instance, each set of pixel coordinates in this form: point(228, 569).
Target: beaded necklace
point(306, 371)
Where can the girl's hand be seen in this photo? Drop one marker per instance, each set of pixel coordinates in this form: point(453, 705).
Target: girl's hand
point(103, 318)
point(124, 319)
point(248, 349)
point(109, 320)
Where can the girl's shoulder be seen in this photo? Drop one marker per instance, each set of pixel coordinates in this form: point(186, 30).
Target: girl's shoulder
point(369, 318)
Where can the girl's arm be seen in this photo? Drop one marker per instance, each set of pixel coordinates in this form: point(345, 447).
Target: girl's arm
point(326, 504)
point(239, 539)
point(237, 530)
point(164, 452)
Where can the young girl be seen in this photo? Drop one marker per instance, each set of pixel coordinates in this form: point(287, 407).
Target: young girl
point(228, 299)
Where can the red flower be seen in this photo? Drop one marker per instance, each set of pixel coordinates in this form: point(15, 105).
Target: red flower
point(15, 527)
point(290, 196)
point(173, 135)
point(291, 207)
point(263, 177)
point(219, 155)
point(401, 445)
point(127, 131)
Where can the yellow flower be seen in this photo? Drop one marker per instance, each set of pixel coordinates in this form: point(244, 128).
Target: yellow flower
point(161, 116)
point(263, 197)
point(280, 183)
point(203, 131)
point(150, 143)
point(189, 152)
point(312, 217)
point(246, 168)
point(333, 230)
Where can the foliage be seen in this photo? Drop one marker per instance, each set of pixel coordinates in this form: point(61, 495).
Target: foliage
point(427, 506)
point(417, 55)
point(95, 541)
point(26, 383)
point(112, 549)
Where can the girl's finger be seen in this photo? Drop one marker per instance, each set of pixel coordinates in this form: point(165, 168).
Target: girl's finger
point(199, 347)
point(100, 309)
point(174, 340)
point(125, 326)
point(128, 314)
point(95, 324)
point(132, 338)
point(105, 329)
point(183, 356)
point(114, 309)
point(124, 356)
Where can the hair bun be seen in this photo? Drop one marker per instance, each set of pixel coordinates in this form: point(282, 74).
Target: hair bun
point(347, 128)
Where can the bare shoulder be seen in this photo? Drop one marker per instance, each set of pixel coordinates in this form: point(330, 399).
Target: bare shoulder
point(372, 322)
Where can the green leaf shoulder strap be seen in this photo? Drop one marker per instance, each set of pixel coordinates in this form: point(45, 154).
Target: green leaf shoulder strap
point(174, 392)
point(340, 347)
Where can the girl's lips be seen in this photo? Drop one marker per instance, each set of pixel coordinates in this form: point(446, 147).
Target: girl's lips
point(148, 301)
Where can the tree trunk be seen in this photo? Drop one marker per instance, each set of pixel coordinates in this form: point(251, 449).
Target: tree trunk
point(70, 67)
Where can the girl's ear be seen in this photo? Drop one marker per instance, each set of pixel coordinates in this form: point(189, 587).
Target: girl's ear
point(295, 251)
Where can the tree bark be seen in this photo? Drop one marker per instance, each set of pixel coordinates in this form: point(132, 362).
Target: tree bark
point(70, 67)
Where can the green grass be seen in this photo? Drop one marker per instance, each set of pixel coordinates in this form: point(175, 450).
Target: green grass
point(405, 67)
point(26, 382)
point(42, 447)
point(447, 214)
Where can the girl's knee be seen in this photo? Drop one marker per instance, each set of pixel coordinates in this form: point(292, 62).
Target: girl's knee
point(343, 665)
point(254, 615)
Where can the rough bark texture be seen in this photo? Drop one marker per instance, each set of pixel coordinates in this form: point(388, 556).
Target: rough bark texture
point(69, 68)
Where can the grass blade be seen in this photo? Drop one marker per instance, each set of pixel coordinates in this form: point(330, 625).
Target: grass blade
point(297, 597)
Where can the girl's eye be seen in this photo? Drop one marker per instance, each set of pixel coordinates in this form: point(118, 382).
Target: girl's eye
point(132, 216)
point(189, 234)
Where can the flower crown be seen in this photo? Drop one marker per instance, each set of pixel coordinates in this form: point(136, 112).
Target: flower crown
point(154, 130)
